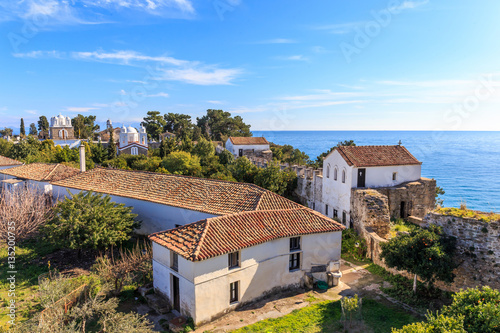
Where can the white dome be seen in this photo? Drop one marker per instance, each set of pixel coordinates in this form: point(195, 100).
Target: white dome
point(130, 129)
point(142, 129)
point(123, 129)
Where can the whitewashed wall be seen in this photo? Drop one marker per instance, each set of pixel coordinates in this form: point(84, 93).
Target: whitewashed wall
point(336, 195)
point(382, 176)
point(155, 217)
point(262, 268)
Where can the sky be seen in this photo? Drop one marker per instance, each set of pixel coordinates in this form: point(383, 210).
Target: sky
point(281, 65)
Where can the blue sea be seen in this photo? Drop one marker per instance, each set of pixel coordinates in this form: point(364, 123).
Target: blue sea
point(465, 164)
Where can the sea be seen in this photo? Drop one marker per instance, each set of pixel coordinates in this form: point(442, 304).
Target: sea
point(465, 164)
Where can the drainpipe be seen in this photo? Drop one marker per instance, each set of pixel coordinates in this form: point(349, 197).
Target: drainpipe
point(82, 157)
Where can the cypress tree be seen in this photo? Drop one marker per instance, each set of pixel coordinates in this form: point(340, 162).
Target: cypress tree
point(111, 145)
point(22, 131)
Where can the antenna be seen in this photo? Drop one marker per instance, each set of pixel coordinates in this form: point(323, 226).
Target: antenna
point(400, 143)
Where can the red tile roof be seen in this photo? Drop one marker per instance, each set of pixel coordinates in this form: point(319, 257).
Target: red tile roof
point(371, 156)
point(224, 234)
point(5, 161)
point(210, 196)
point(248, 140)
point(42, 172)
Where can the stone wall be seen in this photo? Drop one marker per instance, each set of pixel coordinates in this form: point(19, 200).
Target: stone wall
point(370, 209)
point(415, 198)
point(140, 150)
point(54, 133)
point(309, 188)
point(478, 250)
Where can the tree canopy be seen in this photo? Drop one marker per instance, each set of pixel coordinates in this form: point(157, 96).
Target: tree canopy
point(427, 253)
point(90, 220)
point(84, 126)
point(154, 124)
point(219, 125)
point(43, 123)
point(22, 130)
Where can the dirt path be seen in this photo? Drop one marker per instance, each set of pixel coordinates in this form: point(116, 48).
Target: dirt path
point(355, 280)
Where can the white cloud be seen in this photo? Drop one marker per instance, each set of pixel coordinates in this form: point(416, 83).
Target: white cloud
point(297, 57)
point(215, 102)
point(40, 54)
point(34, 112)
point(340, 28)
point(409, 5)
point(79, 109)
point(167, 68)
point(277, 41)
point(201, 76)
point(160, 94)
point(53, 12)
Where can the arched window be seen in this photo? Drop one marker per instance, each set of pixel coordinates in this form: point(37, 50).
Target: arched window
point(328, 171)
point(134, 151)
point(335, 171)
point(343, 176)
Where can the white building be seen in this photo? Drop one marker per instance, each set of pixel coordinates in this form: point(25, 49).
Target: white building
point(61, 128)
point(133, 142)
point(348, 167)
point(239, 146)
point(213, 266)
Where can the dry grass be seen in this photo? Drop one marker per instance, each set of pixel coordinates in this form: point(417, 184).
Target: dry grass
point(463, 212)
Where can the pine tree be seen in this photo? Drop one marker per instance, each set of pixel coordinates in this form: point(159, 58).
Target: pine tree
point(43, 124)
point(22, 131)
point(111, 146)
point(33, 130)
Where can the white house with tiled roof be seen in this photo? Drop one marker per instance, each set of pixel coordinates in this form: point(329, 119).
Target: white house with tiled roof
point(213, 266)
point(239, 146)
point(349, 167)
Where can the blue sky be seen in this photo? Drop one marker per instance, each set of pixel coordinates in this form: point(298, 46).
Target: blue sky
point(281, 65)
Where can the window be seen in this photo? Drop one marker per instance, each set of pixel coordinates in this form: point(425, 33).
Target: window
point(294, 243)
point(233, 260)
point(335, 174)
point(134, 151)
point(233, 291)
point(174, 264)
point(326, 210)
point(328, 171)
point(343, 176)
point(294, 261)
point(335, 213)
point(394, 176)
point(314, 206)
point(344, 217)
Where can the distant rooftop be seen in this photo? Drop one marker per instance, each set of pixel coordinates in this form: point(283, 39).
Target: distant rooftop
point(41, 172)
point(371, 156)
point(5, 161)
point(248, 140)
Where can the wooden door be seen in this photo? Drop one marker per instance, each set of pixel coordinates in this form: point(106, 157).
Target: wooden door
point(361, 177)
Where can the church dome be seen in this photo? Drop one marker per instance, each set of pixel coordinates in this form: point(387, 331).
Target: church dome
point(123, 129)
point(130, 129)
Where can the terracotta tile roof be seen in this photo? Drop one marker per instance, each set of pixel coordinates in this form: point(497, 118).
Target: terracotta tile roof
point(220, 235)
point(210, 196)
point(42, 172)
point(370, 156)
point(248, 140)
point(5, 161)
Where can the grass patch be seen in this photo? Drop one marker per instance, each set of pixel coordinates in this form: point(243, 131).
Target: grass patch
point(467, 213)
point(325, 317)
point(402, 289)
point(400, 225)
point(27, 301)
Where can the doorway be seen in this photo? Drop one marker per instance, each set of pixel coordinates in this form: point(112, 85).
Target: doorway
point(240, 152)
point(402, 212)
point(175, 293)
point(361, 177)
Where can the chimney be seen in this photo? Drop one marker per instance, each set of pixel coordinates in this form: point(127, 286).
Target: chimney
point(82, 157)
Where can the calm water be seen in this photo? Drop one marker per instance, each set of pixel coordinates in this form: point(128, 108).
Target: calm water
point(465, 164)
